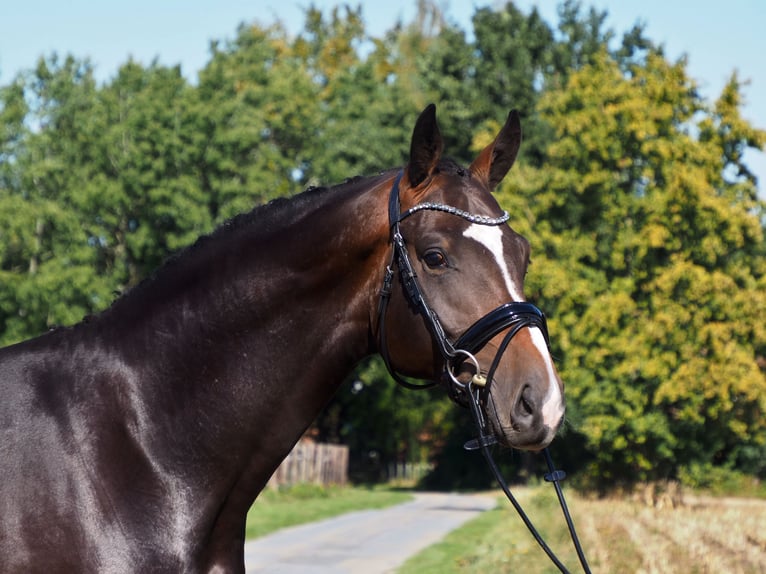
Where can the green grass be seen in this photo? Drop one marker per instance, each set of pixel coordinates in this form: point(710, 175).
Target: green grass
point(497, 541)
point(275, 509)
point(459, 550)
point(716, 481)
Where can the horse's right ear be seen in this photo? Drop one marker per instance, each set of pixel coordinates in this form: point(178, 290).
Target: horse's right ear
point(425, 148)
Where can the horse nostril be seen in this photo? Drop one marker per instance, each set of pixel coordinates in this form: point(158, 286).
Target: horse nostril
point(525, 405)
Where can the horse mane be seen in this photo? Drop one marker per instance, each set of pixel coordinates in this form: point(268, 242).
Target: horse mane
point(262, 220)
point(267, 217)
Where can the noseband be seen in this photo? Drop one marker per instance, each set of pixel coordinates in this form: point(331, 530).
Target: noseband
point(510, 317)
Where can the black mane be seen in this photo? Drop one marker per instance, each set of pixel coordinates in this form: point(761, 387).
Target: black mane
point(263, 219)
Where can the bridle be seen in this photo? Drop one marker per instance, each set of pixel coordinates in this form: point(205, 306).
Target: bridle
point(510, 317)
point(514, 315)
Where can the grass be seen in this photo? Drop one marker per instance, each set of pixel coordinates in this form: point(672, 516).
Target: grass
point(722, 482)
point(704, 534)
point(279, 508)
point(497, 541)
point(620, 534)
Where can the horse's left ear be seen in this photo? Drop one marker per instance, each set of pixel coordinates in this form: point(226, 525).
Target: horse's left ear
point(496, 159)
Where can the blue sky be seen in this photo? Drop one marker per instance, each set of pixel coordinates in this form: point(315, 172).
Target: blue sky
point(718, 37)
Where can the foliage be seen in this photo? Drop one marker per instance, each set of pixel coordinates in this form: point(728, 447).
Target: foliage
point(662, 354)
point(647, 231)
point(721, 481)
point(361, 416)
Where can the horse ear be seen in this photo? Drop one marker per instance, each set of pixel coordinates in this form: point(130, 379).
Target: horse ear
point(425, 148)
point(496, 159)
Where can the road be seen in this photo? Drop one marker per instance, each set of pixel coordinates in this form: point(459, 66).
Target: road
point(364, 542)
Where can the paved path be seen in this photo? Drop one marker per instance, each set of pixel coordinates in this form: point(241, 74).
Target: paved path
point(364, 542)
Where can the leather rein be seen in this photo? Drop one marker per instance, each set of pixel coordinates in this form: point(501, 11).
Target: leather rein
point(512, 316)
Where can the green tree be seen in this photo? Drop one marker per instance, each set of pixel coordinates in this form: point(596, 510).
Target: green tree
point(515, 61)
point(49, 264)
point(383, 423)
point(258, 113)
point(364, 110)
point(146, 200)
point(646, 243)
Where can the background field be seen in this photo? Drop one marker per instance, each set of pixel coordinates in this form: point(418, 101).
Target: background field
point(630, 534)
point(656, 530)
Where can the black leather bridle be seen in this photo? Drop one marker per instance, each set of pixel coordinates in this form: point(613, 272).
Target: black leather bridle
point(510, 317)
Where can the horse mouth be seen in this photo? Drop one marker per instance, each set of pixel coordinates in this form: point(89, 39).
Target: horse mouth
point(524, 439)
point(523, 427)
point(523, 419)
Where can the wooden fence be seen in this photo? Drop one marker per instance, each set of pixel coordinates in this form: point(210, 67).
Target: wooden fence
point(315, 463)
point(408, 471)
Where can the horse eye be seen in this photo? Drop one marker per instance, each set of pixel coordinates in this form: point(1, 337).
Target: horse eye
point(435, 259)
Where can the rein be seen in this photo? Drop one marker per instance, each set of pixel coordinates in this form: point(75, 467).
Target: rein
point(512, 316)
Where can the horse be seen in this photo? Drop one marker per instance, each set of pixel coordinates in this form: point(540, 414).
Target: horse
point(137, 440)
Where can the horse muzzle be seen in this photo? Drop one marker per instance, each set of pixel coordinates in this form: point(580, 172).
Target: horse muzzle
point(519, 393)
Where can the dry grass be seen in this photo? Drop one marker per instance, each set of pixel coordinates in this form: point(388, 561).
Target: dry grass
point(645, 534)
point(702, 535)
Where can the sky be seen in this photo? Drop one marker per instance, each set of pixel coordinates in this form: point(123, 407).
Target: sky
point(718, 37)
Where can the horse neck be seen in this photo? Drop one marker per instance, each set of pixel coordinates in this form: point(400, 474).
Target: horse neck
point(260, 326)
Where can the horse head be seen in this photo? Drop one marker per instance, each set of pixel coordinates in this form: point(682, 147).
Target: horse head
point(461, 310)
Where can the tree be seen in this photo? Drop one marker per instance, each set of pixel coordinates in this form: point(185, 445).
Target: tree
point(364, 110)
point(48, 263)
point(146, 200)
point(645, 244)
point(257, 115)
point(383, 423)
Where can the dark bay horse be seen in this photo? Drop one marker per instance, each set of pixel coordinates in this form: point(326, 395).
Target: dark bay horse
point(137, 441)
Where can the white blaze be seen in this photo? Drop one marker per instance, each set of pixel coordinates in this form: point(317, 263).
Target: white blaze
point(553, 403)
point(491, 237)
